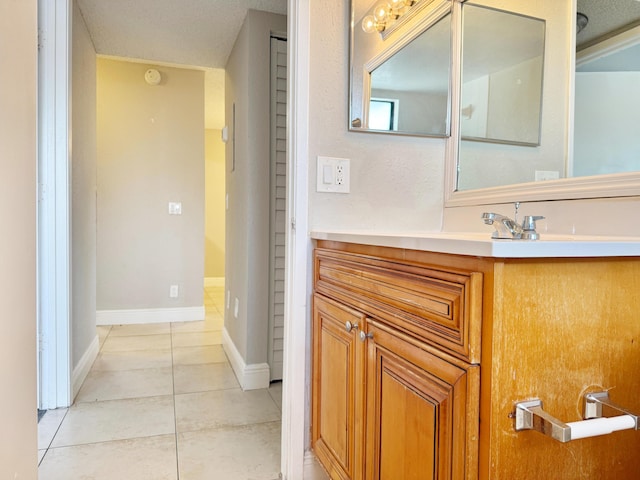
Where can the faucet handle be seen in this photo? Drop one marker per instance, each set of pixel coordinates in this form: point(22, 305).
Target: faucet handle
point(529, 227)
point(529, 222)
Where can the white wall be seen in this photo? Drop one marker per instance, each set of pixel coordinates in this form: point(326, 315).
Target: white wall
point(18, 57)
point(150, 153)
point(247, 220)
point(83, 190)
point(214, 204)
point(396, 182)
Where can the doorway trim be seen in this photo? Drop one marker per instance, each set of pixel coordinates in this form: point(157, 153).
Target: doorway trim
point(295, 394)
point(54, 212)
point(54, 222)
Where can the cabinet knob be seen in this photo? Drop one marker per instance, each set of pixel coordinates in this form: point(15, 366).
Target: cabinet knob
point(364, 336)
point(348, 326)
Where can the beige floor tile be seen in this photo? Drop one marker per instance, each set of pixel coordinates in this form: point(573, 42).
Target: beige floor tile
point(197, 411)
point(111, 361)
point(194, 327)
point(149, 382)
point(202, 378)
point(196, 339)
point(136, 342)
point(238, 453)
point(313, 470)
point(48, 426)
point(275, 390)
point(151, 458)
point(199, 355)
point(140, 329)
point(103, 332)
point(116, 420)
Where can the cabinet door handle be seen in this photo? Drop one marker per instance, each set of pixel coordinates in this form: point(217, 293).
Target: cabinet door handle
point(364, 336)
point(348, 326)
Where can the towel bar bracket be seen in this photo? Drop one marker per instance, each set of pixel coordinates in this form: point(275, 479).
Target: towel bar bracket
point(530, 415)
point(594, 403)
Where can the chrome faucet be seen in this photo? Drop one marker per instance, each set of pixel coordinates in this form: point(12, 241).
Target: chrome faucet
point(507, 228)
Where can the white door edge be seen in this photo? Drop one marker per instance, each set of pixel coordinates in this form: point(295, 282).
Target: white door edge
point(54, 212)
point(298, 268)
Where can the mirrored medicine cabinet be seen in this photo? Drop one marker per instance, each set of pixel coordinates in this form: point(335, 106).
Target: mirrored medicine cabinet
point(577, 137)
point(400, 62)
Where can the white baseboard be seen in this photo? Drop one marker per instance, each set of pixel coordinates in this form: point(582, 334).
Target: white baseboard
point(81, 370)
point(214, 282)
point(149, 315)
point(251, 377)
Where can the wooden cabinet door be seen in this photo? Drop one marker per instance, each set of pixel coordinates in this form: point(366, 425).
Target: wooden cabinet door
point(422, 420)
point(338, 389)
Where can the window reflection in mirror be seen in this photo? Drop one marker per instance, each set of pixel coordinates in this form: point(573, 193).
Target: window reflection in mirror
point(417, 79)
point(400, 81)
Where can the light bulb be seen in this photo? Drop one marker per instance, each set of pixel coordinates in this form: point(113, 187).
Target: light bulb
point(369, 24)
point(381, 11)
point(397, 5)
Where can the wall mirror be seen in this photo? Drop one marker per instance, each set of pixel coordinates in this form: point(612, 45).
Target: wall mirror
point(501, 86)
point(400, 60)
point(595, 109)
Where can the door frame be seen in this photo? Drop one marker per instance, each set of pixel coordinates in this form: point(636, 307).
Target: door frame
point(54, 223)
point(54, 204)
point(295, 393)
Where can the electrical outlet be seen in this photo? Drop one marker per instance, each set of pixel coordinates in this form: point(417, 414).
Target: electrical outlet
point(333, 175)
point(173, 291)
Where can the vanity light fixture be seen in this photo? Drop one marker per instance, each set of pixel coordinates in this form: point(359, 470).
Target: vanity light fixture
point(384, 13)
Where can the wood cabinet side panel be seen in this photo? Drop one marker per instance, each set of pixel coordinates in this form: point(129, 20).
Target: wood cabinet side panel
point(562, 328)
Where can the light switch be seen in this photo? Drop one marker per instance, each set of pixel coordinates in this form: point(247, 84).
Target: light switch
point(333, 175)
point(175, 208)
point(327, 174)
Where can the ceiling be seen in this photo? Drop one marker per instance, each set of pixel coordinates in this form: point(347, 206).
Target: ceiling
point(606, 18)
point(189, 33)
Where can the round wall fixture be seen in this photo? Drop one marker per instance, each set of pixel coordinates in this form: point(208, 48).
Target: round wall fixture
point(152, 76)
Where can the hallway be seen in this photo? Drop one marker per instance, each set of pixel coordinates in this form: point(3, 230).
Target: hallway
point(162, 402)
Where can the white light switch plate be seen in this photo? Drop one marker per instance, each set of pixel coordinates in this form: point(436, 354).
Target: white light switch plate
point(175, 208)
point(333, 175)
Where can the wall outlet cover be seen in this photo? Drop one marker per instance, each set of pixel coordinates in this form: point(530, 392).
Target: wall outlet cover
point(333, 175)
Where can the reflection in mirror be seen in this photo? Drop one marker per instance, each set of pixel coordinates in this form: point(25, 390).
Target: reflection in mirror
point(501, 97)
point(607, 97)
point(412, 87)
point(400, 78)
point(501, 76)
point(602, 148)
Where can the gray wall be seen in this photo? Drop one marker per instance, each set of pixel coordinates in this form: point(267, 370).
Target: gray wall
point(83, 190)
point(150, 153)
point(247, 220)
point(18, 57)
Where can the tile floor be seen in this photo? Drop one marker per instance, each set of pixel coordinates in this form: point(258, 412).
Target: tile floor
point(162, 402)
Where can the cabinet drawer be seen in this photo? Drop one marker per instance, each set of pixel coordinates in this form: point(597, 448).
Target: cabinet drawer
point(439, 306)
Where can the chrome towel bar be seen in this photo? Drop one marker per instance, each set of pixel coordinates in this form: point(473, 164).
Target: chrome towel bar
point(530, 415)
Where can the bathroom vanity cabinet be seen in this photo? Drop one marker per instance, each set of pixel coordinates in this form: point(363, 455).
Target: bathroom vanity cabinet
point(420, 357)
